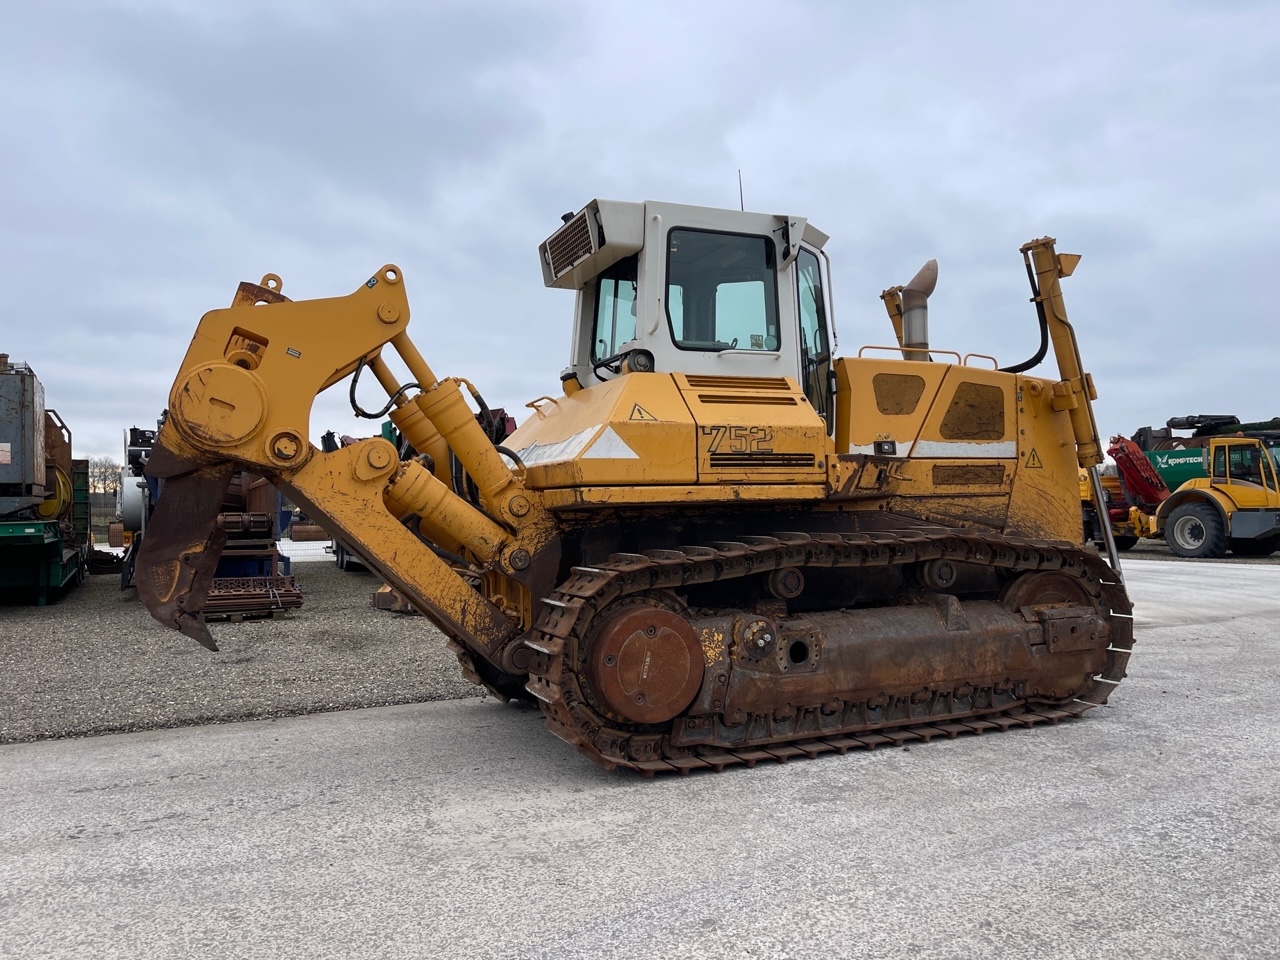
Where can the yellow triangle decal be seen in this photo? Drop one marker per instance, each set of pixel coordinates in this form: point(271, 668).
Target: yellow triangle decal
point(1033, 460)
point(640, 413)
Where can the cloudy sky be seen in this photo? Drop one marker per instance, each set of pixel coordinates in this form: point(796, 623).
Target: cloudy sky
point(153, 154)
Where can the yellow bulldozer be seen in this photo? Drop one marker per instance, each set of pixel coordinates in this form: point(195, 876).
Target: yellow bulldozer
point(718, 542)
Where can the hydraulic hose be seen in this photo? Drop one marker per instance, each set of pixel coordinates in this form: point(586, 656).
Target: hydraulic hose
point(1044, 328)
point(359, 411)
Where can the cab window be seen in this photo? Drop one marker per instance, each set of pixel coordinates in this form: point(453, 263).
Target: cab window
point(815, 352)
point(1245, 463)
point(1219, 471)
point(1269, 470)
point(615, 309)
point(721, 291)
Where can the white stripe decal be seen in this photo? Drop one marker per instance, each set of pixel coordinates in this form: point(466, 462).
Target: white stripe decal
point(963, 448)
point(567, 449)
point(610, 446)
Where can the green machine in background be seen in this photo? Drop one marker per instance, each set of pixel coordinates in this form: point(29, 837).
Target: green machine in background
point(44, 494)
point(1179, 457)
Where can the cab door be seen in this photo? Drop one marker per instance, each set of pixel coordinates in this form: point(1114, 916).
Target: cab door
point(1243, 472)
point(815, 374)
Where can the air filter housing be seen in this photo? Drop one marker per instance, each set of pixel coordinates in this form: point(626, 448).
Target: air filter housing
point(595, 238)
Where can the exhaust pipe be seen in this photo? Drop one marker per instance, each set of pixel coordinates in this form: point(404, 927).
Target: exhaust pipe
point(915, 312)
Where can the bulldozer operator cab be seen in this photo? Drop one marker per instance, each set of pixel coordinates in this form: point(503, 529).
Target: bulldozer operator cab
point(678, 289)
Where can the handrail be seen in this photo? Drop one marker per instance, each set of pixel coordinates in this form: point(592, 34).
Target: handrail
point(737, 352)
point(534, 404)
point(897, 349)
point(962, 360)
point(60, 424)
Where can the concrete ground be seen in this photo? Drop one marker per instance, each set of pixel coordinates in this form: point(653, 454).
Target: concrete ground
point(463, 829)
point(1159, 550)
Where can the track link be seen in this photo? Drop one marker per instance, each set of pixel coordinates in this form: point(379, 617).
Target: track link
point(569, 612)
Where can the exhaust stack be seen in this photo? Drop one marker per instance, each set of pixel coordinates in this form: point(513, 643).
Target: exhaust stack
point(915, 312)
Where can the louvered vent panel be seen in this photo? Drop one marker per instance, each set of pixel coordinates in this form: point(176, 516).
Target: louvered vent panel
point(571, 245)
point(746, 398)
point(763, 460)
point(700, 381)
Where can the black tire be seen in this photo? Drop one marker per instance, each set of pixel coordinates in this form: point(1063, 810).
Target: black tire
point(1125, 543)
point(1264, 547)
point(1195, 530)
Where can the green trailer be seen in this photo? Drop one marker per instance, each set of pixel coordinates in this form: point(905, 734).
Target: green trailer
point(37, 560)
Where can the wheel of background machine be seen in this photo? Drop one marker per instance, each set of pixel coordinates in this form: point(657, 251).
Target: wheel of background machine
point(1255, 548)
point(1126, 543)
point(1195, 530)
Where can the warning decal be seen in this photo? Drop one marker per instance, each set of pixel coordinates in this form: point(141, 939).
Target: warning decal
point(640, 413)
point(1033, 460)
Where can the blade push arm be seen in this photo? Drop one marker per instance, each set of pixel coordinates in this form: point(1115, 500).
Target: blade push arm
point(243, 396)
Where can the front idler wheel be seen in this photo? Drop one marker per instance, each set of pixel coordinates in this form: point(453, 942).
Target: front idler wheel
point(1045, 587)
point(645, 664)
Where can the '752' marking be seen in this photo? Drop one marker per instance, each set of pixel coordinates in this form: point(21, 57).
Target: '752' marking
point(727, 439)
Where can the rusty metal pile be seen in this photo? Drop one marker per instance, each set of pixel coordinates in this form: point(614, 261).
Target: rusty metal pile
point(252, 596)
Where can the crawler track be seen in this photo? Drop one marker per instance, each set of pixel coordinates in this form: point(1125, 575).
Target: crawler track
point(889, 719)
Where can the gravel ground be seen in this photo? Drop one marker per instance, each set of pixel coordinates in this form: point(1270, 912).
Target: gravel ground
point(95, 662)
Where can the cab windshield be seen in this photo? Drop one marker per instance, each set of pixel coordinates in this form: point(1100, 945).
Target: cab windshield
point(1244, 463)
point(721, 291)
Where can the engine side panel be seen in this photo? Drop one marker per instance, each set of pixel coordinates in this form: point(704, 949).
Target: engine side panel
point(631, 430)
point(671, 429)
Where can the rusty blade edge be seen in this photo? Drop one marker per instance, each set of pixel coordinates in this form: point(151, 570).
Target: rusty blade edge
point(182, 544)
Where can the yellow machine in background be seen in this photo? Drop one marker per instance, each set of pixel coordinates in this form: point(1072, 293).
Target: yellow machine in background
point(720, 542)
point(1235, 505)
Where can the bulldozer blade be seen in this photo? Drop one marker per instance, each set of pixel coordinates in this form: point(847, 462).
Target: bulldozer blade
point(182, 543)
